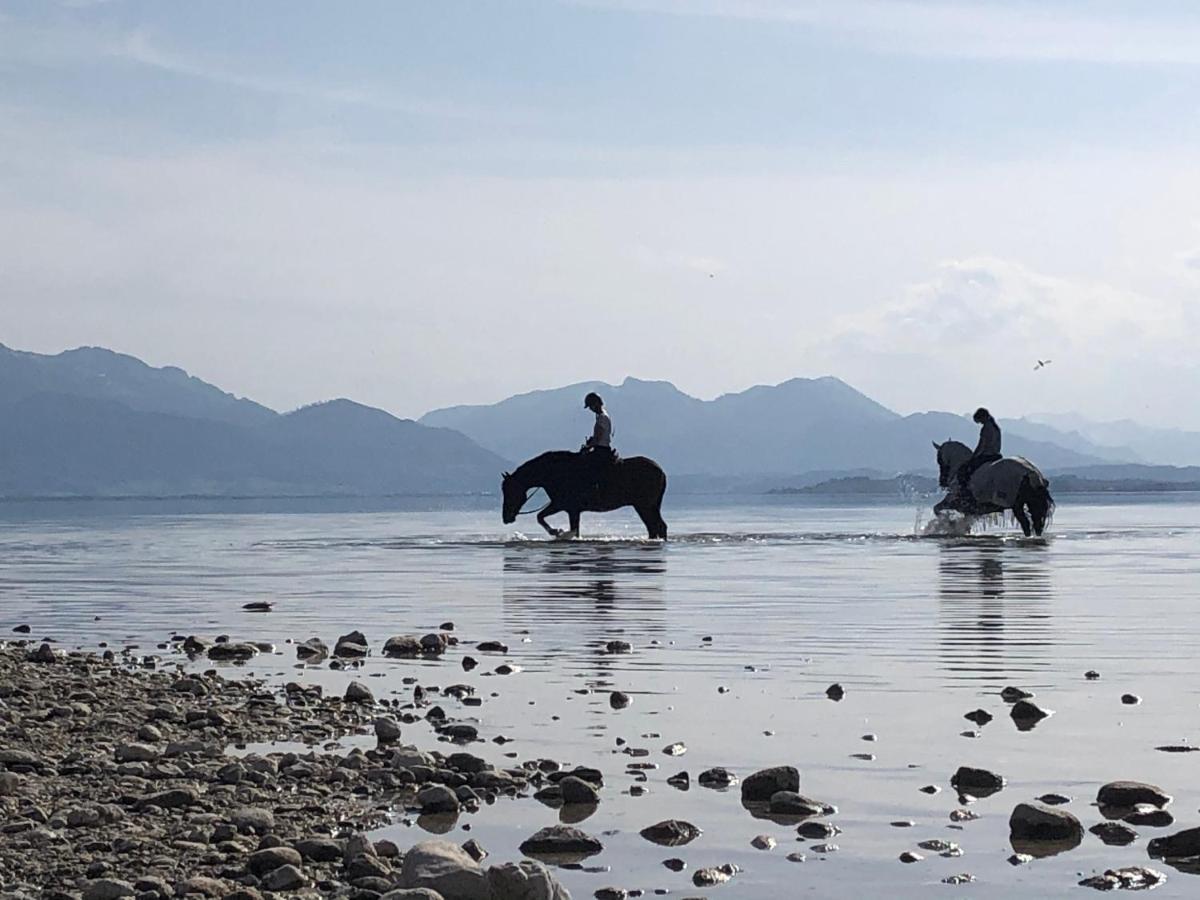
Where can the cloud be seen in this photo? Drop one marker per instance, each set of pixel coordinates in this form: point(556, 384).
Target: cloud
point(981, 302)
point(1045, 31)
point(971, 332)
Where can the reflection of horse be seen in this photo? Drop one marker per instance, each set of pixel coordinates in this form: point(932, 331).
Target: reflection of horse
point(1008, 483)
point(564, 476)
point(994, 607)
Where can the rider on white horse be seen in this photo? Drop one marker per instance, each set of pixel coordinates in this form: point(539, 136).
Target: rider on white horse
point(986, 451)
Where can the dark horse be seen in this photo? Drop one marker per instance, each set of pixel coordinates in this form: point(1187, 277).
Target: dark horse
point(638, 482)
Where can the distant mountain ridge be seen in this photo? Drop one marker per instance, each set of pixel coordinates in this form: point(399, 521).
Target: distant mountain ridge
point(798, 426)
point(105, 424)
point(94, 422)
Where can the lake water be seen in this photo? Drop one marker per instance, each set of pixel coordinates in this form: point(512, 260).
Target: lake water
point(793, 596)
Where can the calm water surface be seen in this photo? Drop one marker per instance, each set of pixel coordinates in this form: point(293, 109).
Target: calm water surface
point(794, 597)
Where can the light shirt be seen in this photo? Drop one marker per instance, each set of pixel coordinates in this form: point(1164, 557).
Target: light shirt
point(602, 432)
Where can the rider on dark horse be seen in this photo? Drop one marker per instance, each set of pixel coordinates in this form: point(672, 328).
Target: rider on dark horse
point(986, 451)
point(597, 452)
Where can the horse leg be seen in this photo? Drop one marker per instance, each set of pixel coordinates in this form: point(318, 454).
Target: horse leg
point(652, 520)
point(549, 510)
point(1019, 511)
point(574, 516)
point(1040, 509)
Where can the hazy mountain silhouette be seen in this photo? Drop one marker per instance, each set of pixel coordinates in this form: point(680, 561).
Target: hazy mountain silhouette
point(108, 424)
point(104, 375)
point(1164, 446)
point(799, 426)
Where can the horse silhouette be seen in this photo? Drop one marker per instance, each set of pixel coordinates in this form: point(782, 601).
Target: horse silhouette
point(567, 480)
point(1011, 482)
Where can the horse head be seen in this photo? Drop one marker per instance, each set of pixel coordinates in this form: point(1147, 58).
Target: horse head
point(514, 497)
point(950, 457)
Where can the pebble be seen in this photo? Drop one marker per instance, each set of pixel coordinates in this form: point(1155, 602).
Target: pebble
point(1130, 878)
point(671, 833)
point(763, 842)
point(1012, 694)
point(909, 856)
point(961, 878)
point(1114, 833)
point(1131, 699)
point(835, 692)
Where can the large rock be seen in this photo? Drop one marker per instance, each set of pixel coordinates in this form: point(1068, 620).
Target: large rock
point(437, 798)
point(285, 878)
point(671, 833)
point(1173, 846)
point(526, 880)
point(351, 646)
point(107, 889)
point(561, 844)
point(319, 849)
point(272, 858)
point(412, 894)
point(761, 786)
point(1038, 822)
point(402, 645)
point(1131, 793)
point(980, 782)
point(314, 649)
point(357, 692)
point(446, 868)
point(253, 820)
point(1130, 878)
point(576, 790)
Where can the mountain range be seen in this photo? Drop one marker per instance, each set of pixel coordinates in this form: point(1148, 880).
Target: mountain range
point(796, 427)
point(95, 422)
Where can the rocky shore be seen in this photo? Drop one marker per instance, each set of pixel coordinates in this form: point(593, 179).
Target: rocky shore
point(119, 778)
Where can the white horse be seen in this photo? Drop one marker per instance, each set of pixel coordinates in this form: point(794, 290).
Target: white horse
point(1008, 483)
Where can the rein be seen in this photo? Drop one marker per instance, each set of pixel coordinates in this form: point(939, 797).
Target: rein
point(530, 512)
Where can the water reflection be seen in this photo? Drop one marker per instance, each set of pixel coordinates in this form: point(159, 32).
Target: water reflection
point(994, 607)
point(588, 581)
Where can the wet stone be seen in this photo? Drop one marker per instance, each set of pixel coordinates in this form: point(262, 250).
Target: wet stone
point(763, 785)
point(717, 778)
point(909, 856)
point(1037, 822)
point(1114, 833)
point(671, 833)
point(979, 781)
point(763, 842)
point(1130, 878)
point(1132, 793)
point(979, 716)
point(1131, 699)
point(714, 875)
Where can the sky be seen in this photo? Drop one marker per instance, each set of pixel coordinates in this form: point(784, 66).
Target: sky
point(418, 204)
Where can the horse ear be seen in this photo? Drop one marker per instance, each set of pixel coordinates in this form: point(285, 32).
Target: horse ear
point(506, 475)
point(936, 445)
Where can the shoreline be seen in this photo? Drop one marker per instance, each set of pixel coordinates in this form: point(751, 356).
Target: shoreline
point(120, 777)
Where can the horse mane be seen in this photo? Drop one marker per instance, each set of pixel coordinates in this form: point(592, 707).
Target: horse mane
point(541, 459)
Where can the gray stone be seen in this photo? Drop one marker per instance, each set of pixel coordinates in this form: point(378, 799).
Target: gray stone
point(560, 843)
point(135, 753)
point(253, 819)
point(402, 645)
point(976, 780)
point(1038, 822)
point(1177, 845)
point(387, 731)
point(1114, 833)
point(671, 833)
point(1131, 793)
point(319, 849)
point(285, 878)
point(446, 868)
point(576, 790)
point(1130, 878)
point(525, 880)
point(762, 785)
point(357, 692)
point(107, 889)
point(272, 858)
point(437, 798)
point(412, 894)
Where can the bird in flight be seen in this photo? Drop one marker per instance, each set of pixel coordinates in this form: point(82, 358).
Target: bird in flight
point(1042, 363)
